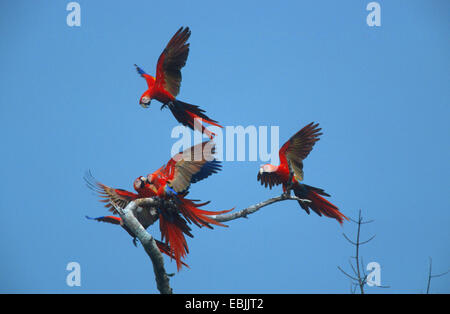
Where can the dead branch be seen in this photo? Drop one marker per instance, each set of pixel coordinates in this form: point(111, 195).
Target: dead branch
point(431, 276)
point(147, 241)
point(359, 279)
point(254, 208)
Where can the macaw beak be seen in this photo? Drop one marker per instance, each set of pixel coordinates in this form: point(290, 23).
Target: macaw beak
point(145, 106)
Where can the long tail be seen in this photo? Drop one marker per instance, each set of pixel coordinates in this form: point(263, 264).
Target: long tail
point(187, 114)
point(318, 204)
point(199, 217)
point(163, 247)
point(172, 227)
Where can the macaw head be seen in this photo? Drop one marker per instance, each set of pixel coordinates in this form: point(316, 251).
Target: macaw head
point(140, 183)
point(267, 168)
point(145, 100)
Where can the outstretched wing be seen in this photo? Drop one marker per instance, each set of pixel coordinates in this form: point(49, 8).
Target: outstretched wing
point(109, 219)
point(297, 148)
point(109, 195)
point(194, 164)
point(150, 79)
point(171, 60)
point(269, 179)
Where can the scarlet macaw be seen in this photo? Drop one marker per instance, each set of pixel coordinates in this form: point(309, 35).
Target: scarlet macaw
point(121, 198)
point(166, 86)
point(172, 182)
point(293, 152)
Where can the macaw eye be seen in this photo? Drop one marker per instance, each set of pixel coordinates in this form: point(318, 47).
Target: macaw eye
point(145, 100)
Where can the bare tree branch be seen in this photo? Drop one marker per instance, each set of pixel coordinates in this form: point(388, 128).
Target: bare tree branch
point(349, 276)
point(149, 244)
point(254, 208)
point(147, 241)
point(361, 277)
point(430, 275)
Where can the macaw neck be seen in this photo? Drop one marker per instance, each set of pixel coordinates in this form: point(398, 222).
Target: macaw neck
point(283, 172)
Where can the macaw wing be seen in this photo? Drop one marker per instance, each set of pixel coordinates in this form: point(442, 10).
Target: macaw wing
point(297, 148)
point(109, 195)
point(109, 219)
point(194, 164)
point(171, 60)
point(269, 179)
point(150, 79)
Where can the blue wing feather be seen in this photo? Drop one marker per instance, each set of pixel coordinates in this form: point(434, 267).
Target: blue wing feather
point(139, 70)
point(208, 169)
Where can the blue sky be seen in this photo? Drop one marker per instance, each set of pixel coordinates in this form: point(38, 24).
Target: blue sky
point(69, 102)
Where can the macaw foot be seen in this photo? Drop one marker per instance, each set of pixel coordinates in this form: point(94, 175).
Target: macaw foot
point(169, 104)
point(172, 203)
point(287, 193)
point(135, 242)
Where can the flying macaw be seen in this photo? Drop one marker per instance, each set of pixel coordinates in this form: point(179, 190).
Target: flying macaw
point(292, 153)
point(121, 198)
point(166, 86)
point(172, 182)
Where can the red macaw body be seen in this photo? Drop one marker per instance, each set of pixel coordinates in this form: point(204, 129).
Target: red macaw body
point(146, 217)
point(166, 85)
point(172, 182)
point(292, 153)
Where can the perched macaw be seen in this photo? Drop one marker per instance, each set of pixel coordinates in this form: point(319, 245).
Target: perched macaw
point(293, 152)
point(121, 198)
point(172, 182)
point(166, 86)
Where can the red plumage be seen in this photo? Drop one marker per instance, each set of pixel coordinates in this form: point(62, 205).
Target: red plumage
point(166, 85)
point(292, 154)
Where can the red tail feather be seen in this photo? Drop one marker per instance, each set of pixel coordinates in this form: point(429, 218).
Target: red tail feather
point(174, 236)
point(321, 206)
point(173, 230)
point(164, 248)
point(191, 115)
point(318, 204)
point(198, 216)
